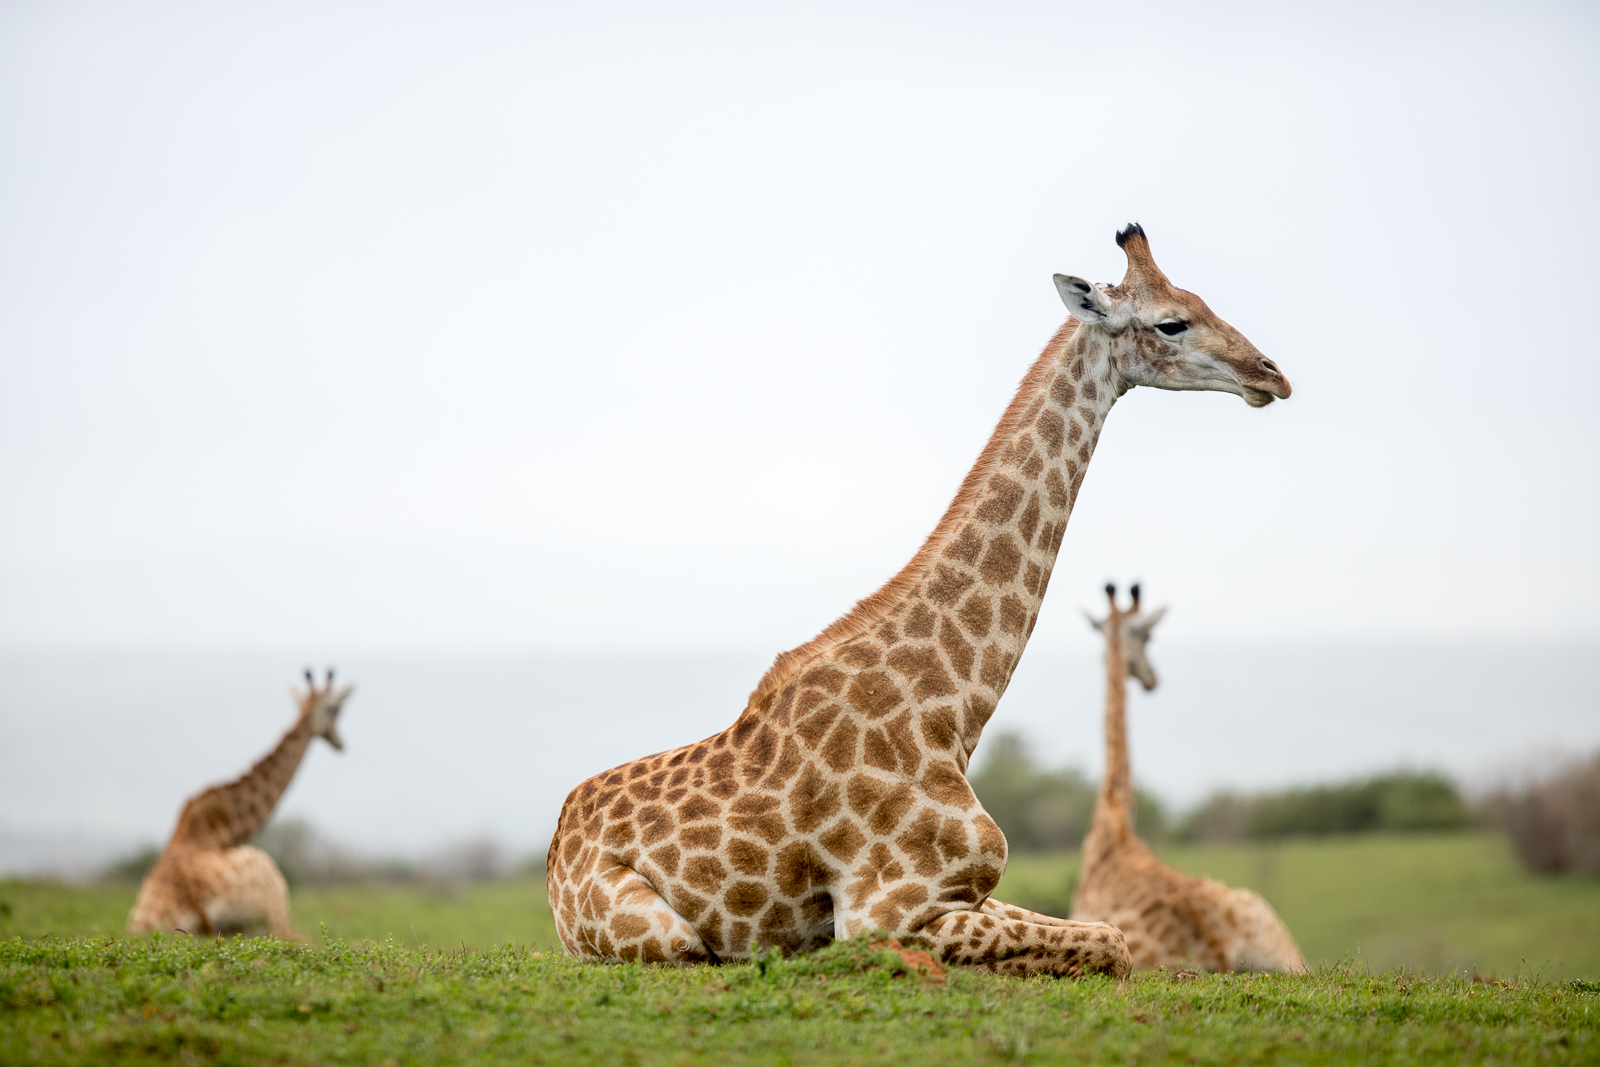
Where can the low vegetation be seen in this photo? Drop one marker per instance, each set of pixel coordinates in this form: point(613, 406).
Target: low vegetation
point(1045, 809)
point(256, 1000)
point(1406, 801)
point(1554, 823)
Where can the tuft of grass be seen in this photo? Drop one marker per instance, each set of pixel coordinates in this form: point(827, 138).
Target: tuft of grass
point(166, 999)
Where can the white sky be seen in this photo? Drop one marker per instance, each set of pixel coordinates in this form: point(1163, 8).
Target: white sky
point(480, 326)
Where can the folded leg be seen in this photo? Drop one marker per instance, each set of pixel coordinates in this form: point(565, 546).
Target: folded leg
point(1002, 910)
point(620, 916)
point(1007, 945)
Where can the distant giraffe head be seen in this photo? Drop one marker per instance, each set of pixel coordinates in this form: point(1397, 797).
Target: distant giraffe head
point(1177, 342)
point(322, 706)
point(1131, 630)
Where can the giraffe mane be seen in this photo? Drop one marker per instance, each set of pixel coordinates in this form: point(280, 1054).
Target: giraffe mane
point(873, 609)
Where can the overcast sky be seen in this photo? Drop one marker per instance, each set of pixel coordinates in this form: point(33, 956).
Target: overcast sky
point(473, 326)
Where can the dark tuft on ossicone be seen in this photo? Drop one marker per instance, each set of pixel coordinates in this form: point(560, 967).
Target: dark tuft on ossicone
point(1133, 229)
point(1111, 589)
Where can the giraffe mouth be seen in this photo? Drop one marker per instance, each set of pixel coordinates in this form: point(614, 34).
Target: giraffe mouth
point(1265, 391)
point(1260, 381)
point(1269, 386)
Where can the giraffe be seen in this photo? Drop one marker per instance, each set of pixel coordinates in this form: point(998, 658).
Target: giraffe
point(837, 803)
point(1170, 919)
point(208, 880)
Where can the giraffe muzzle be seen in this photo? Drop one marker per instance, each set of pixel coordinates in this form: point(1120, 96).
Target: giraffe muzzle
point(1269, 379)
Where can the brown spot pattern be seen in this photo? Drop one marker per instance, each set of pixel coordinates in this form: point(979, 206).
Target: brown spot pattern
point(838, 800)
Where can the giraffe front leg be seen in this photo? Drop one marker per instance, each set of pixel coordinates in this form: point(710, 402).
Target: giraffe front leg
point(1002, 910)
point(619, 916)
point(1004, 944)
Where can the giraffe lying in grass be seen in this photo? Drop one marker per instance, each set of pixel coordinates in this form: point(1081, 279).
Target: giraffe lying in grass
point(838, 802)
point(1170, 919)
point(208, 881)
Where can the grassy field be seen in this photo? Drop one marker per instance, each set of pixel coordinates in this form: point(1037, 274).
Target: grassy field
point(404, 975)
point(469, 917)
point(1431, 903)
point(179, 999)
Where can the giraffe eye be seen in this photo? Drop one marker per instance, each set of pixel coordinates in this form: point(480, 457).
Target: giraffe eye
point(1172, 327)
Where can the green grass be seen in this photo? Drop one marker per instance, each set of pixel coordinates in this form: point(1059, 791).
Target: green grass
point(474, 916)
point(179, 999)
point(1431, 903)
point(1434, 903)
point(405, 975)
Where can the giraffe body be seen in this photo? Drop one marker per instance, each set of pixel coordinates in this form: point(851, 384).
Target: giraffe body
point(207, 879)
point(838, 802)
point(1170, 919)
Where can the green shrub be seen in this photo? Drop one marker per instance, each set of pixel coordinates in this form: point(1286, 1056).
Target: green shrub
point(132, 868)
point(1554, 823)
point(1043, 810)
point(1402, 801)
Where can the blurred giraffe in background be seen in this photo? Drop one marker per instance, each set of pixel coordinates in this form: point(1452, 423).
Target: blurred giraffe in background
point(1171, 919)
point(838, 802)
point(208, 881)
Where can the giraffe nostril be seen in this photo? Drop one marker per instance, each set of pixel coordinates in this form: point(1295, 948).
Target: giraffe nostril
point(1270, 367)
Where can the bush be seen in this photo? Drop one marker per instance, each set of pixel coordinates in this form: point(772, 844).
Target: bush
point(1043, 810)
point(1554, 824)
point(1223, 817)
point(132, 868)
point(1403, 801)
point(306, 857)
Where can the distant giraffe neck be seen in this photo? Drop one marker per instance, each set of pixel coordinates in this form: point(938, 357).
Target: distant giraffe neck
point(1113, 810)
point(228, 815)
point(955, 620)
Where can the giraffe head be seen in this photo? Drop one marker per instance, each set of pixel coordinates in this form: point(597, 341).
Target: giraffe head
point(1133, 627)
point(1165, 337)
point(323, 706)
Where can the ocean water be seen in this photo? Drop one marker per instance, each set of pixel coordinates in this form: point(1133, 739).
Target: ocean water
point(98, 749)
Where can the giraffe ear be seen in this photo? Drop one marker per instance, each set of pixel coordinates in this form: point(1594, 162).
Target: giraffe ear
point(1099, 625)
point(1083, 298)
point(1148, 622)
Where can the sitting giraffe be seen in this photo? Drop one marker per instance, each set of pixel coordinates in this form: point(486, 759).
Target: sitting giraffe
point(208, 881)
point(1169, 918)
point(838, 802)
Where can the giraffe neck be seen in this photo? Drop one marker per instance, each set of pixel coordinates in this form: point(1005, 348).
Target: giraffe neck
point(1113, 809)
point(955, 620)
point(264, 784)
point(228, 815)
